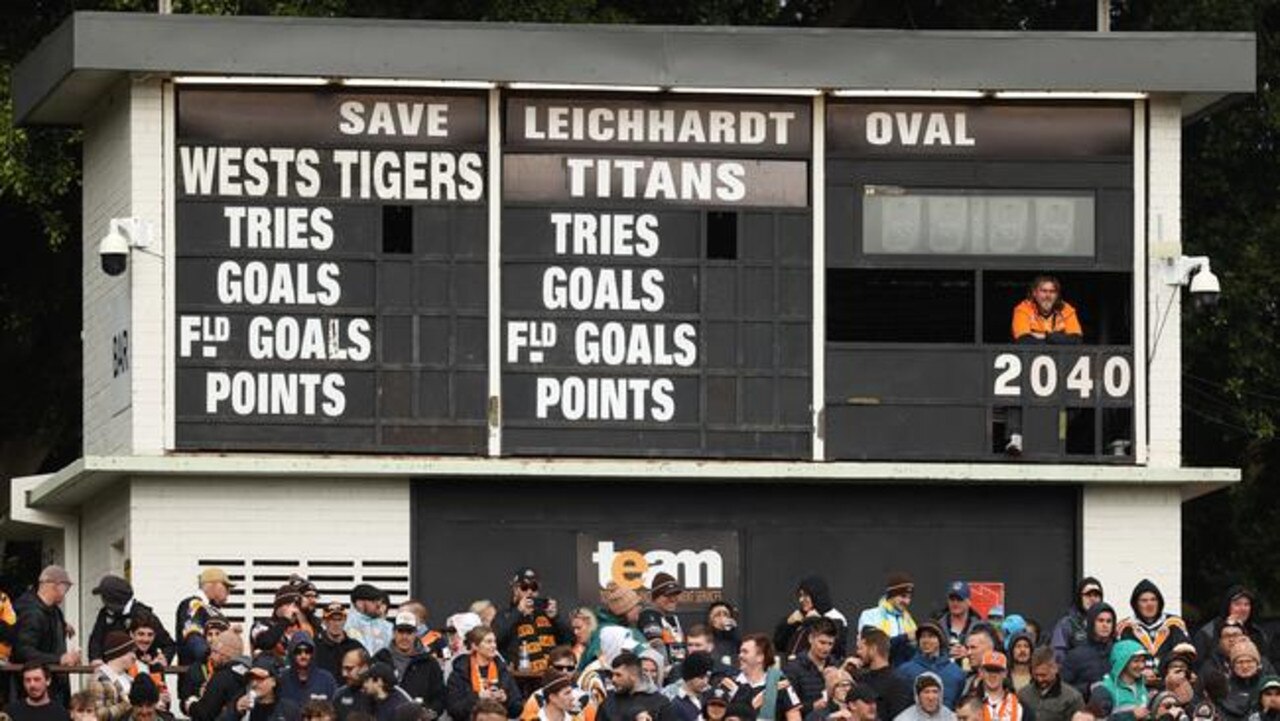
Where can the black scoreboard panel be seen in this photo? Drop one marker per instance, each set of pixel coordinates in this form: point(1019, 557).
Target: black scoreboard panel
point(656, 277)
point(331, 270)
point(939, 216)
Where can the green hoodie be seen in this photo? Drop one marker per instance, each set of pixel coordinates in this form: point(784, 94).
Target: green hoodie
point(1124, 698)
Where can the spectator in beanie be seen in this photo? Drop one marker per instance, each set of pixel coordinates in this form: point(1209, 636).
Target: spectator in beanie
point(41, 632)
point(365, 622)
point(893, 692)
point(531, 625)
point(119, 609)
point(1047, 696)
point(144, 700)
point(1020, 647)
point(1087, 663)
point(891, 616)
point(632, 696)
point(1238, 607)
point(417, 672)
point(198, 674)
point(621, 607)
point(722, 619)
point(957, 620)
point(351, 697)
point(805, 671)
point(36, 702)
point(695, 679)
point(1158, 632)
point(1268, 707)
point(226, 682)
point(195, 611)
point(1073, 629)
point(302, 680)
point(813, 601)
point(1244, 682)
point(1229, 634)
point(927, 689)
point(385, 697)
point(263, 702)
point(333, 642)
point(481, 674)
point(273, 635)
point(111, 683)
point(561, 698)
point(930, 657)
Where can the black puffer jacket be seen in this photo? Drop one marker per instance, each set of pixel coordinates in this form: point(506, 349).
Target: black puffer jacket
point(41, 635)
point(806, 679)
point(1086, 664)
point(460, 698)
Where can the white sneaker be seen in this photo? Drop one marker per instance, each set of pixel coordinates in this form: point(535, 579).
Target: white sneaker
point(1014, 446)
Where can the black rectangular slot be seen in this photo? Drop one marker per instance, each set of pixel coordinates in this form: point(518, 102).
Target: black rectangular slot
point(900, 306)
point(722, 235)
point(397, 229)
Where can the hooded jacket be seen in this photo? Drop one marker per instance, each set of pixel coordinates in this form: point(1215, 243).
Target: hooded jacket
point(1071, 630)
point(320, 684)
point(916, 712)
point(418, 674)
point(941, 665)
point(1206, 639)
point(1159, 634)
point(1124, 697)
point(1087, 663)
point(118, 619)
point(792, 639)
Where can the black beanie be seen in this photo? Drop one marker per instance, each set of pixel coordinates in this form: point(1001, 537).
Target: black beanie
point(144, 691)
point(696, 665)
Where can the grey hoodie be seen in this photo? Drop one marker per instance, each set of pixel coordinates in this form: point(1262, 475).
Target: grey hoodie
point(916, 713)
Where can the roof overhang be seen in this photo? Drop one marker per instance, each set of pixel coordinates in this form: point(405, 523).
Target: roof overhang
point(75, 65)
point(87, 476)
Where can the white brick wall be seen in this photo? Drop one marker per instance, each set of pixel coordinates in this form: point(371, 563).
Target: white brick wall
point(176, 521)
point(1164, 233)
point(106, 196)
point(147, 186)
point(1131, 533)
point(104, 522)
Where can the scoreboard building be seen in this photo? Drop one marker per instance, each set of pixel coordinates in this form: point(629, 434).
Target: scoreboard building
point(418, 303)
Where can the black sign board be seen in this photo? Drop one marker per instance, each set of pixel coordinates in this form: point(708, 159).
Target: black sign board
point(331, 270)
point(1010, 130)
point(656, 282)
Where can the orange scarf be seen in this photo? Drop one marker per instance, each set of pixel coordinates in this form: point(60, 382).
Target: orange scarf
point(1009, 709)
point(491, 675)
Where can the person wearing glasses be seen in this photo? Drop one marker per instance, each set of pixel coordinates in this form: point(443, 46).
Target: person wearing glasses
point(41, 634)
point(530, 626)
point(561, 661)
point(417, 671)
point(303, 680)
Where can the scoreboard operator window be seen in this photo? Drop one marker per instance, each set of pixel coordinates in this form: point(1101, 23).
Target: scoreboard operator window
point(944, 220)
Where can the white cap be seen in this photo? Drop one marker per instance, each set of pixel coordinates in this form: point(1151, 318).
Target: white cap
point(406, 619)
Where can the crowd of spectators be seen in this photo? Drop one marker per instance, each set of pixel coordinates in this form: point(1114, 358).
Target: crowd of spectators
point(631, 658)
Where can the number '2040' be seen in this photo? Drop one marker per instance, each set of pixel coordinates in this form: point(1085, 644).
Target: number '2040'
point(1115, 376)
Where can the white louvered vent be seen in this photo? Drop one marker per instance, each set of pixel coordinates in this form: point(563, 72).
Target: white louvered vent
point(258, 579)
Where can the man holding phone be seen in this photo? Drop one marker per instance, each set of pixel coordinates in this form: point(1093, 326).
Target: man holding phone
point(530, 626)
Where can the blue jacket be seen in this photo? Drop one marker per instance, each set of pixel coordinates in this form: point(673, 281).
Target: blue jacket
point(952, 676)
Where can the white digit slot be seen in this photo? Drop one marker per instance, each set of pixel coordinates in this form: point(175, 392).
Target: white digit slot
point(1044, 376)
point(1010, 367)
point(1079, 379)
point(1117, 376)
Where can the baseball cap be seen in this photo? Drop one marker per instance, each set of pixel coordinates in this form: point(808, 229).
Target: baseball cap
point(265, 665)
point(1269, 682)
point(215, 575)
point(406, 619)
point(664, 584)
point(960, 590)
point(994, 660)
point(524, 574)
point(113, 589)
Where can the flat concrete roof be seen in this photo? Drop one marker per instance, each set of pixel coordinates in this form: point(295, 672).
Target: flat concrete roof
point(60, 80)
point(87, 476)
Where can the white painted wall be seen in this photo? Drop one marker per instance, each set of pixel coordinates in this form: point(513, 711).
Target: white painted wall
point(107, 178)
point(1164, 309)
point(105, 521)
point(146, 272)
point(1131, 533)
point(176, 521)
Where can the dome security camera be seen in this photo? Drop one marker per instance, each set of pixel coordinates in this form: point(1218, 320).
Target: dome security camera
point(113, 252)
point(1205, 289)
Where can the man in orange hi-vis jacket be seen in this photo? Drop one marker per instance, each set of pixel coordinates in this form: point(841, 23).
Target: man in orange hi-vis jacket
point(1042, 318)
